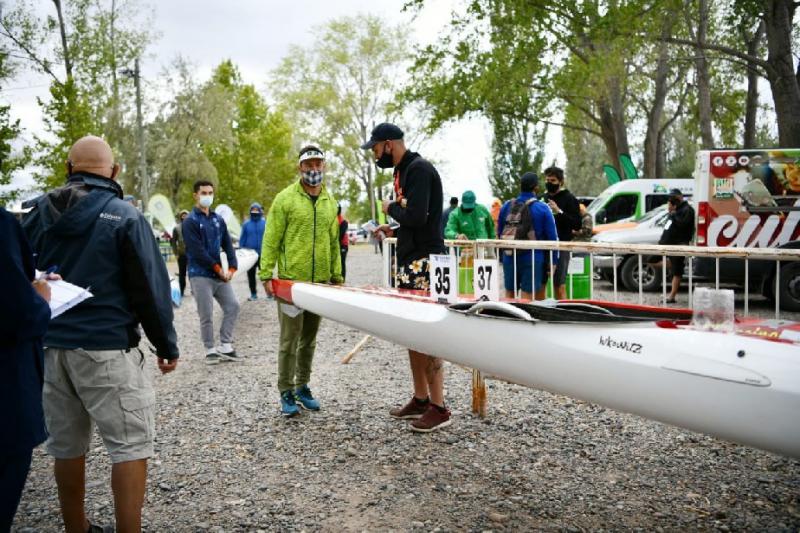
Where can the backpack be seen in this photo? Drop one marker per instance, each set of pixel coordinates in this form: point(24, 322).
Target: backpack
point(518, 224)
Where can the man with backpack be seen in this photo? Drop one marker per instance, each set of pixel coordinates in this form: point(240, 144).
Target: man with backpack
point(526, 218)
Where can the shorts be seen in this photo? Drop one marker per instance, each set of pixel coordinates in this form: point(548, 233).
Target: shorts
point(414, 275)
point(677, 264)
point(108, 388)
point(562, 268)
point(524, 279)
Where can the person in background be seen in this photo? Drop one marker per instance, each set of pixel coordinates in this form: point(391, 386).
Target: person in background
point(446, 213)
point(469, 221)
point(495, 209)
point(94, 369)
point(567, 215)
point(679, 229)
point(344, 240)
point(584, 234)
point(179, 249)
point(519, 274)
point(24, 316)
point(206, 234)
point(303, 240)
point(251, 237)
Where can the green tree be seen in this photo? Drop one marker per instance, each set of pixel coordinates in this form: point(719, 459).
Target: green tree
point(260, 160)
point(90, 40)
point(338, 88)
point(11, 161)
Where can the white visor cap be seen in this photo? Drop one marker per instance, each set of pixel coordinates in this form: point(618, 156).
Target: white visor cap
point(312, 154)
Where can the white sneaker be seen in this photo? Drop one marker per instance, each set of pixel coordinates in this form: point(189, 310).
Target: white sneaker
point(227, 353)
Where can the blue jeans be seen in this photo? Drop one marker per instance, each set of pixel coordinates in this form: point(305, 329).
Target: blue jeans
point(524, 278)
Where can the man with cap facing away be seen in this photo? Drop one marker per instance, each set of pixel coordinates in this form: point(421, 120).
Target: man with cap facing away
point(470, 220)
point(417, 207)
point(93, 371)
point(302, 237)
point(446, 215)
point(519, 274)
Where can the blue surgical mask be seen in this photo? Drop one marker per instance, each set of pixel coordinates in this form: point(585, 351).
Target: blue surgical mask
point(312, 178)
point(206, 201)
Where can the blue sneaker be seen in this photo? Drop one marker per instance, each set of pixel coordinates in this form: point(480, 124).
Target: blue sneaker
point(303, 395)
point(288, 405)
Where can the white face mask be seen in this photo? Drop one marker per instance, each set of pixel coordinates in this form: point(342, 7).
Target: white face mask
point(206, 201)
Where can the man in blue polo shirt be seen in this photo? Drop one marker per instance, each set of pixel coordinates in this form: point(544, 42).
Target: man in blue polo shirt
point(205, 235)
point(518, 275)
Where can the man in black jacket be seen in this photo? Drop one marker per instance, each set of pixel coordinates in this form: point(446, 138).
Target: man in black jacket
point(417, 207)
point(567, 214)
point(94, 372)
point(679, 229)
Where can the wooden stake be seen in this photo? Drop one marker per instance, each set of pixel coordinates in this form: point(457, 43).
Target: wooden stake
point(355, 350)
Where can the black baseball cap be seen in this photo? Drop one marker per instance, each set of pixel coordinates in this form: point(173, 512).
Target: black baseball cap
point(528, 181)
point(675, 192)
point(384, 131)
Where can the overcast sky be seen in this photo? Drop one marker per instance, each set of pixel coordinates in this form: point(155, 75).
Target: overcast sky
point(256, 34)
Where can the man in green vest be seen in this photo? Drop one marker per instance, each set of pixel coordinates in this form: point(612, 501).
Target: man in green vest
point(302, 237)
point(469, 221)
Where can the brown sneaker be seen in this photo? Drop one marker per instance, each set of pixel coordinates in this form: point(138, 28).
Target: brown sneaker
point(413, 409)
point(433, 419)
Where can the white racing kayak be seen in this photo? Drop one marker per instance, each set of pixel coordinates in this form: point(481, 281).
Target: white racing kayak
point(743, 386)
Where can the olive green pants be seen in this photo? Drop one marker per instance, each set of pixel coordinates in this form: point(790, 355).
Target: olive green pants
point(298, 340)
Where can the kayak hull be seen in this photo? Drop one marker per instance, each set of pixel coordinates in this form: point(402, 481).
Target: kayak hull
point(736, 387)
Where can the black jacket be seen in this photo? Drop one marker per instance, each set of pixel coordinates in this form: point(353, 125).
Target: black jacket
point(570, 217)
point(679, 228)
point(420, 231)
point(99, 241)
point(23, 321)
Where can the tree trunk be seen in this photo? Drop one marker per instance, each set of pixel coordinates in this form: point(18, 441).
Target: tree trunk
point(751, 103)
point(609, 136)
point(703, 78)
point(652, 140)
point(618, 115)
point(64, 46)
point(783, 78)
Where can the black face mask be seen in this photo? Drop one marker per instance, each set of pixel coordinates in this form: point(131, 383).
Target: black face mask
point(385, 160)
point(674, 201)
point(552, 188)
point(468, 210)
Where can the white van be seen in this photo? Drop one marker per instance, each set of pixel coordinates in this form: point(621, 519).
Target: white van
point(631, 199)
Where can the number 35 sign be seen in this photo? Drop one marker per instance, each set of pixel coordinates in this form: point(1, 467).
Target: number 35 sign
point(444, 278)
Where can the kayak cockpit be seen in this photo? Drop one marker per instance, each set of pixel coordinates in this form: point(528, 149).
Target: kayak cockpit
point(572, 311)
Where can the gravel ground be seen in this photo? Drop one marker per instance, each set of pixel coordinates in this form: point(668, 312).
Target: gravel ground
point(226, 460)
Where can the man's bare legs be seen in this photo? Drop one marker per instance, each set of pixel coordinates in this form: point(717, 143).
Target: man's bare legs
point(128, 481)
point(428, 374)
point(71, 480)
point(676, 285)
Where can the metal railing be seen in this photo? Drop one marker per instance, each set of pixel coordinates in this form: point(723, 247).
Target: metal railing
point(484, 248)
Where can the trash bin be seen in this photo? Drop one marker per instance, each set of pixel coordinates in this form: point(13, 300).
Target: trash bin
point(579, 282)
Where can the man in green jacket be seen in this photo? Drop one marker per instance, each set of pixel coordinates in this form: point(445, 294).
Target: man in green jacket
point(469, 221)
point(302, 237)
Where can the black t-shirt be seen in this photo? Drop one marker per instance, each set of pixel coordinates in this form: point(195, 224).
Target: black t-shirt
point(418, 183)
point(570, 217)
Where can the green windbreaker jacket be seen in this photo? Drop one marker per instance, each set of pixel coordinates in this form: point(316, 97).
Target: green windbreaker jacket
point(302, 237)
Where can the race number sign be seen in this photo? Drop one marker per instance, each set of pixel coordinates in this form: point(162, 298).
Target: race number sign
point(485, 279)
point(444, 278)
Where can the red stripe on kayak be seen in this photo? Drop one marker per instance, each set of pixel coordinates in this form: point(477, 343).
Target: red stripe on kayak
point(283, 289)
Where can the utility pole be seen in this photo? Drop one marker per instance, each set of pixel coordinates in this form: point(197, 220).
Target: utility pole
point(145, 181)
